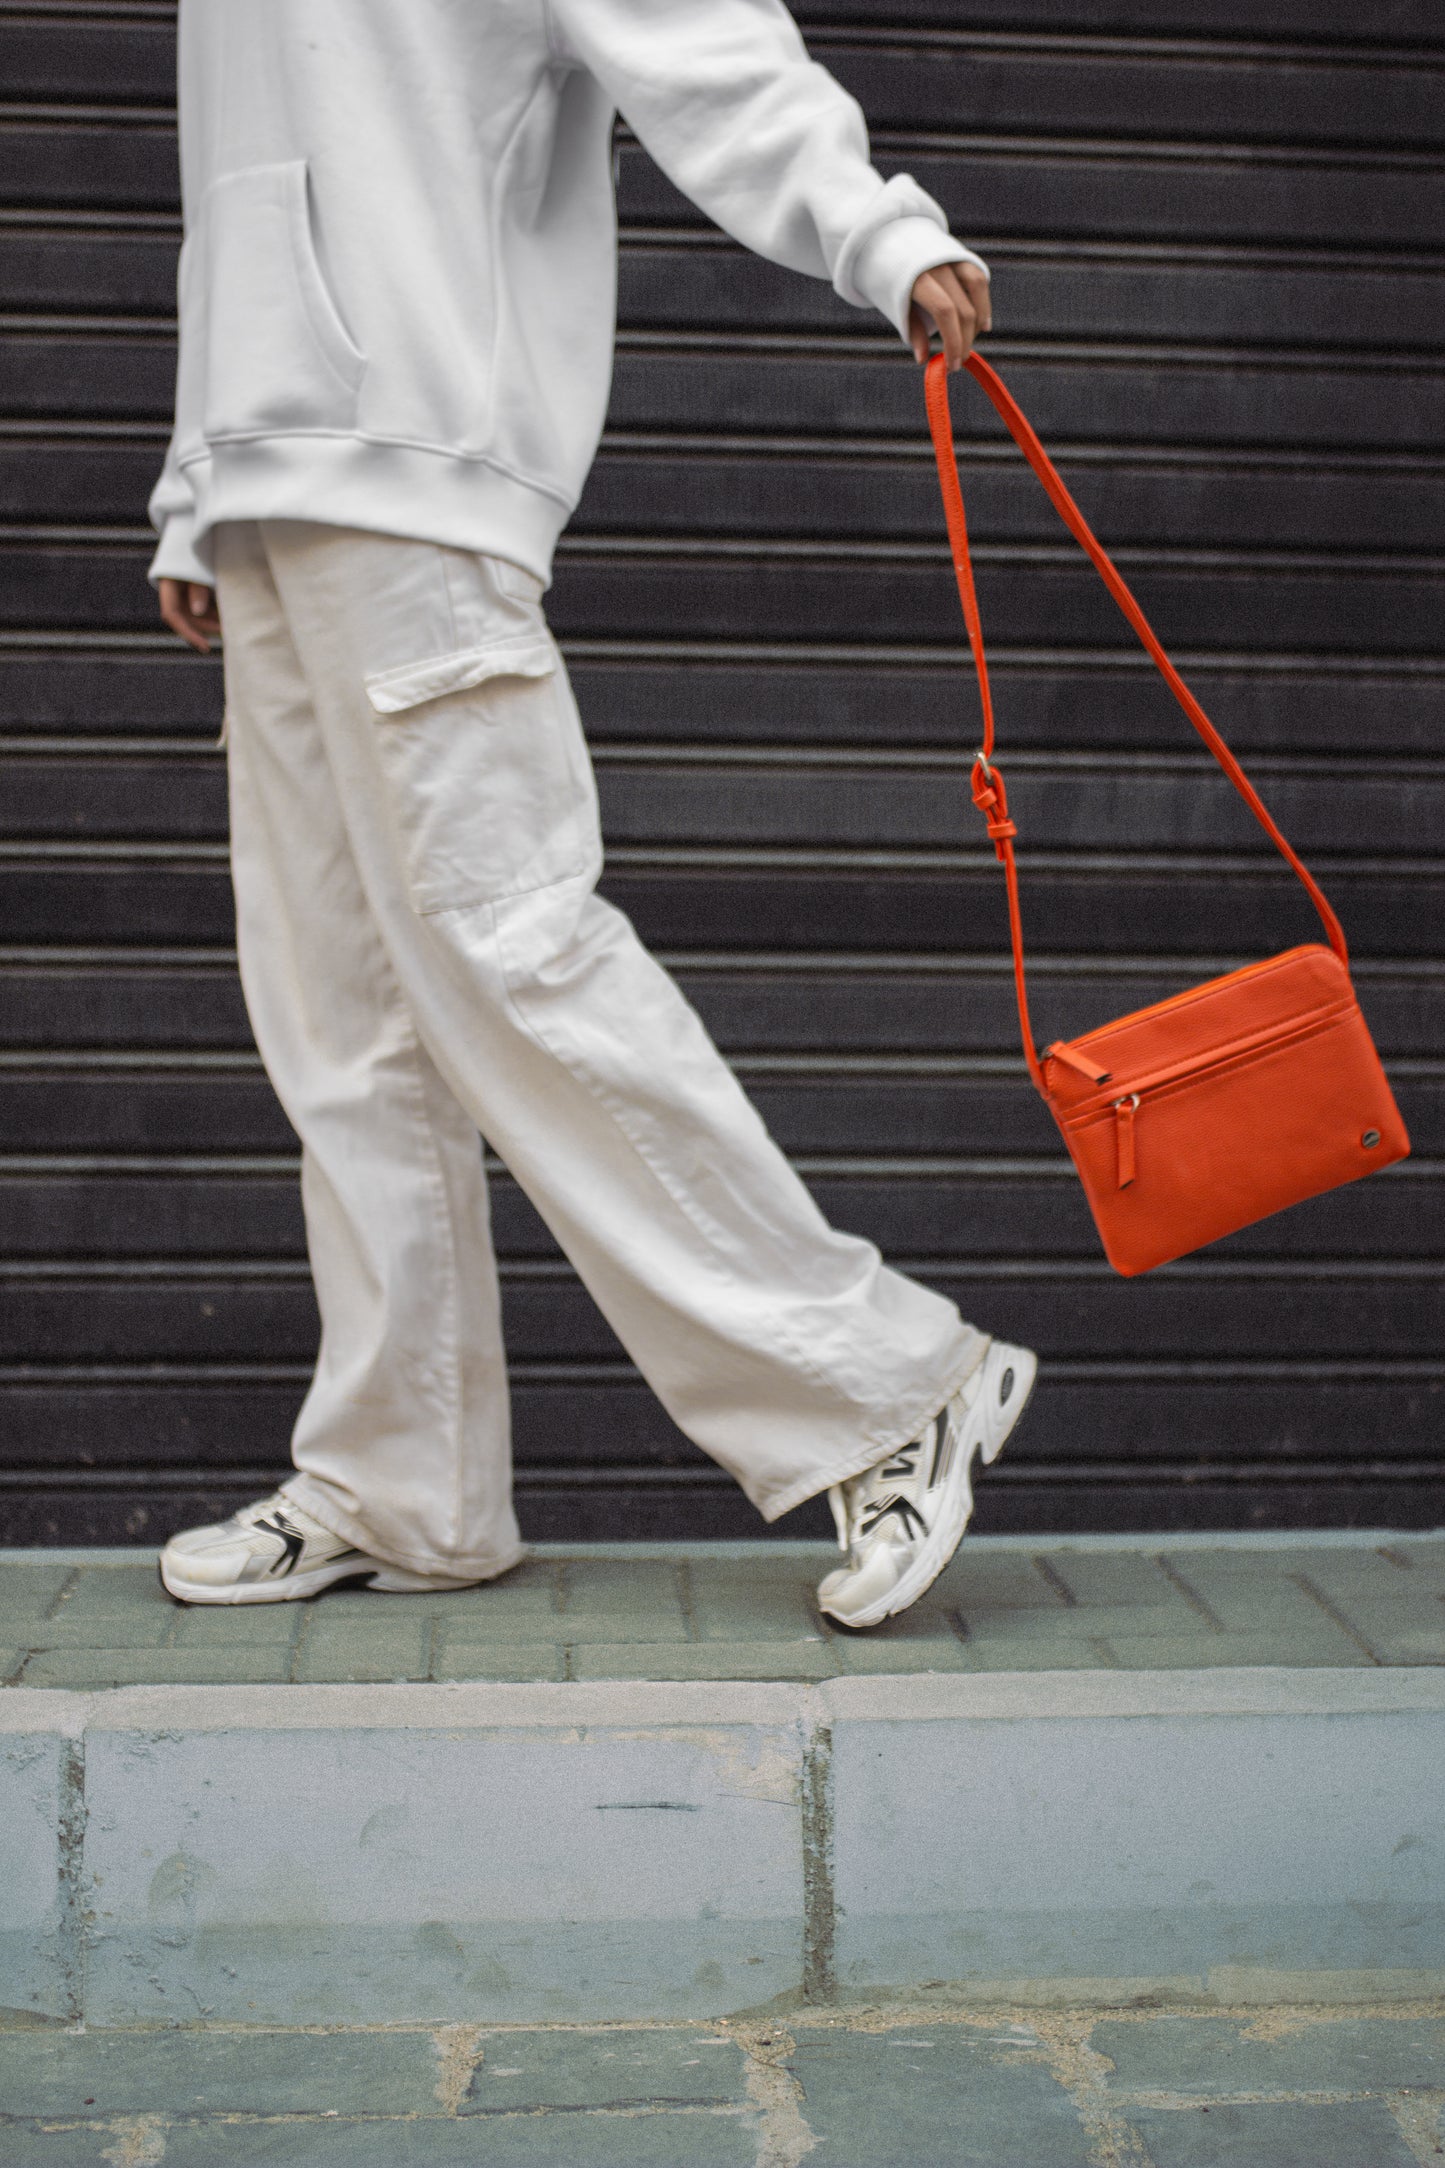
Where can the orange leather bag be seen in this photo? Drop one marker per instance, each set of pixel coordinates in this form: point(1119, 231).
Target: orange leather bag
point(1211, 1110)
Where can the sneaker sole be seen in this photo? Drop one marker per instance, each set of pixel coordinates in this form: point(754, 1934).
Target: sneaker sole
point(945, 1540)
point(297, 1587)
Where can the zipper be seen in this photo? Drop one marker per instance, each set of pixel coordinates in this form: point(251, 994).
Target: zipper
point(1255, 1042)
point(1124, 1112)
point(1125, 1109)
point(1086, 1063)
point(1062, 1051)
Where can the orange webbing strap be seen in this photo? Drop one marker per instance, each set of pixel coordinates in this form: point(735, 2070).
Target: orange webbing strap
point(989, 794)
point(988, 790)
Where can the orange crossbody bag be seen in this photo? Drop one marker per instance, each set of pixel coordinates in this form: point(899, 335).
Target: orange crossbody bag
point(1214, 1109)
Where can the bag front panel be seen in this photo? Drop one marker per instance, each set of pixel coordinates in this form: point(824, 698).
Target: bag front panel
point(1218, 1149)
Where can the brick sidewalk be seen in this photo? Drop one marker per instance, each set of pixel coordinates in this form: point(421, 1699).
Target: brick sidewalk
point(746, 1611)
point(901, 2087)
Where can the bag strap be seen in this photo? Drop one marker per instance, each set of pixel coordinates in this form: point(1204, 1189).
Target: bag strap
point(988, 785)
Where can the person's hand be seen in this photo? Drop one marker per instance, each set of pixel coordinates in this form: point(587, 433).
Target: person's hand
point(190, 610)
point(952, 300)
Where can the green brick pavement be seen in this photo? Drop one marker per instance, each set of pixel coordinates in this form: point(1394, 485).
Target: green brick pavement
point(893, 2087)
point(743, 1611)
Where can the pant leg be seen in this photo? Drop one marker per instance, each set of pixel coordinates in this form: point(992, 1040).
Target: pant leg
point(786, 1350)
point(403, 1443)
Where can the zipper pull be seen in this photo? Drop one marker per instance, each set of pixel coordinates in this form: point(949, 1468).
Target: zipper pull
point(1124, 1136)
point(1061, 1052)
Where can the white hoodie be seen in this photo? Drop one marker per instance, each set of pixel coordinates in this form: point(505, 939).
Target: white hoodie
point(398, 280)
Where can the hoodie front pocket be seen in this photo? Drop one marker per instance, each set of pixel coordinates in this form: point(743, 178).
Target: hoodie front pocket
point(278, 356)
point(487, 772)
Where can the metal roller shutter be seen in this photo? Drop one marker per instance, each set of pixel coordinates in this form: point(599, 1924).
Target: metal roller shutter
point(1215, 228)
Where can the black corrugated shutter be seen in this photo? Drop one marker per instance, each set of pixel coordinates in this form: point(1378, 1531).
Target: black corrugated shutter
point(1216, 232)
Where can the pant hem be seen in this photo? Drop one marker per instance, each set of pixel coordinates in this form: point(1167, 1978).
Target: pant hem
point(877, 1445)
point(484, 1567)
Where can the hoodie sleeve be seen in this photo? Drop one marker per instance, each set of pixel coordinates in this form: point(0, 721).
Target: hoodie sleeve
point(724, 97)
point(172, 510)
point(172, 507)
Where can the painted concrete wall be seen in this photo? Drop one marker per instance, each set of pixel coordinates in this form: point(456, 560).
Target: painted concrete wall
point(342, 1855)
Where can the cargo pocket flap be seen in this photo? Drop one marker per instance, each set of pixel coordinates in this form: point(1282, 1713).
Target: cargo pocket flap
point(406, 686)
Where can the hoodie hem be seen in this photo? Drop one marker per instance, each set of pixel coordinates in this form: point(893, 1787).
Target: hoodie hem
point(407, 490)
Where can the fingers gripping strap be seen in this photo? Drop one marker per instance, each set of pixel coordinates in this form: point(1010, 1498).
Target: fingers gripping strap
point(995, 805)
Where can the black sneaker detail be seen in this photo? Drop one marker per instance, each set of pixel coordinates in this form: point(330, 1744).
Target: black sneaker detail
point(362, 1578)
point(1006, 1387)
point(292, 1538)
point(904, 1461)
point(908, 1513)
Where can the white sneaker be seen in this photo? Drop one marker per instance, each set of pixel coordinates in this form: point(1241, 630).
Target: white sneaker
point(901, 1521)
point(272, 1552)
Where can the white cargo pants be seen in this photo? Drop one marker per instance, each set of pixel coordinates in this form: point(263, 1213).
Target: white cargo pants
point(415, 846)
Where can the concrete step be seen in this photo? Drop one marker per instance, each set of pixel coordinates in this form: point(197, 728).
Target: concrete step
point(643, 1785)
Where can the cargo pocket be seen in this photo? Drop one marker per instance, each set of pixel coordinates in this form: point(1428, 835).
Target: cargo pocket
point(487, 771)
point(277, 355)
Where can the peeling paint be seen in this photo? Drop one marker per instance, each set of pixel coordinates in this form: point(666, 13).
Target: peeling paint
point(750, 1761)
point(175, 1886)
point(388, 1821)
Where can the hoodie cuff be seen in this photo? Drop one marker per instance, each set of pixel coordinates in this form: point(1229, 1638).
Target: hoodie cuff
point(892, 260)
point(179, 556)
